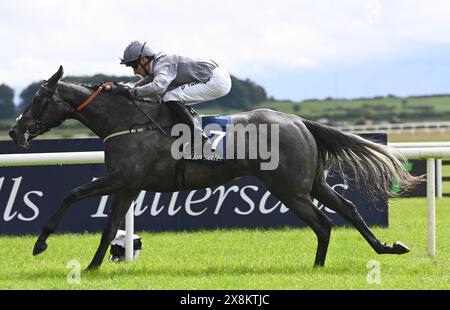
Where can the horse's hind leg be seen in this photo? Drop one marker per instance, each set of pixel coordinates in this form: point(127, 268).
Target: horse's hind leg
point(345, 208)
point(121, 203)
point(303, 207)
point(102, 186)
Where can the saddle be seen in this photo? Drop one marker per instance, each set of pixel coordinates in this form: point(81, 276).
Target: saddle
point(216, 135)
point(215, 127)
point(217, 123)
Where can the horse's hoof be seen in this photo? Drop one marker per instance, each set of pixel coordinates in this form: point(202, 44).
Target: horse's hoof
point(92, 267)
point(400, 248)
point(39, 247)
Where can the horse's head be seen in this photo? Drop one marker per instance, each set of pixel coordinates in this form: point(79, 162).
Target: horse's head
point(45, 111)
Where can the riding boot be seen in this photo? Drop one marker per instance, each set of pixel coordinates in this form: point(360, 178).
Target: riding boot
point(185, 116)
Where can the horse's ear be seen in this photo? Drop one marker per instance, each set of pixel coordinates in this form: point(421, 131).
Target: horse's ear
point(51, 83)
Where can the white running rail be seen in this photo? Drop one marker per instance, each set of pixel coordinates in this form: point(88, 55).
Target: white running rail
point(66, 158)
point(428, 152)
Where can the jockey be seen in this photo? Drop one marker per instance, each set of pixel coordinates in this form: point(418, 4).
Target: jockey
point(177, 80)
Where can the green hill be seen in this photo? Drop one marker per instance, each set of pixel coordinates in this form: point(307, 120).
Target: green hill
point(390, 109)
point(247, 95)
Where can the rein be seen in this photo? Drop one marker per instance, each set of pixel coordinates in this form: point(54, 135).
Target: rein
point(94, 95)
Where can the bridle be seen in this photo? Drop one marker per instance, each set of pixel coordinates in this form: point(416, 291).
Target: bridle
point(37, 127)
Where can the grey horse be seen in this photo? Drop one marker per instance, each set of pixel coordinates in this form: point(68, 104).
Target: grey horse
point(143, 161)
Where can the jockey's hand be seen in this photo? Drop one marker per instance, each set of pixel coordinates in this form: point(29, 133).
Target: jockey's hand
point(109, 87)
point(126, 85)
point(121, 91)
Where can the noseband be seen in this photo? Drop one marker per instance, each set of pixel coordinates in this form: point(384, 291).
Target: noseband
point(38, 127)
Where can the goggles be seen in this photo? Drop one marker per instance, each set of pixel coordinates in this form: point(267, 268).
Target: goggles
point(135, 63)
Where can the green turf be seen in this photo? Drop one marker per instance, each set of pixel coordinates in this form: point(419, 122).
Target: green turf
point(242, 259)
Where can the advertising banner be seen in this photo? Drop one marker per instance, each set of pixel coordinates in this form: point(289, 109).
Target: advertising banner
point(30, 195)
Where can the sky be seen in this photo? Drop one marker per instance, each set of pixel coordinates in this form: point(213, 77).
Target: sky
point(295, 49)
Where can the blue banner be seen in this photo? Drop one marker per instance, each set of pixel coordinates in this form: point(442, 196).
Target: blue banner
point(30, 195)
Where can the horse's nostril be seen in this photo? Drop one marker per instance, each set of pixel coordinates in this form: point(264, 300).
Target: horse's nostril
point(12, 133)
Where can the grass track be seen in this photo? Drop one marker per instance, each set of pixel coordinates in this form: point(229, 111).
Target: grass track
point(242, 259)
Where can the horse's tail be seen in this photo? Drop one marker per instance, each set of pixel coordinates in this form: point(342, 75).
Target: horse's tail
point(375, 167)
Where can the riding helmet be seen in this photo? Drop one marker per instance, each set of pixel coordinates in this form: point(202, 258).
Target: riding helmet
point(136, 50)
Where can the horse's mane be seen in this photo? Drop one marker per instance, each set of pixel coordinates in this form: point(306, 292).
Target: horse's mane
point(91, 86)
point(96, 86)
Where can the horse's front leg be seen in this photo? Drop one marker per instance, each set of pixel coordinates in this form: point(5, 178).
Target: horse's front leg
point(105, 185)
point(121, 203)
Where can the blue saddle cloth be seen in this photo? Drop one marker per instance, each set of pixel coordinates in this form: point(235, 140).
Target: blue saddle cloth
point(216, 128)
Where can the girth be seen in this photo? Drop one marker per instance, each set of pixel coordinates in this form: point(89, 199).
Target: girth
point(129, 131)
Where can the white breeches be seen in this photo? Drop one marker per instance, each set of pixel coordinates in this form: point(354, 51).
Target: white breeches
point(217, 86)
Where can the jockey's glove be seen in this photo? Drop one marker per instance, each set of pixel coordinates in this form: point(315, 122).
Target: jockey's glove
point(121, 91)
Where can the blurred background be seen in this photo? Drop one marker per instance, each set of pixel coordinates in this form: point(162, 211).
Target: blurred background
point(359, 65)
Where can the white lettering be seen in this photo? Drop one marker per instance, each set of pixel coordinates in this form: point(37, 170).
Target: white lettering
point(223, 195)
point(194, 300)
point(101, 208)
point(137, 204)
point(247, 200)
point(189, 201)
point(101, 205)
point(7, 216)
point(153, 210)
point(262, 204)
point(31, 205)
point(283, 209)
point(172, 211)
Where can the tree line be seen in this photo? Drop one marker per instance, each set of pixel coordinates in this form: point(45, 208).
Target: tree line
point(243, 95)
point(7, 108)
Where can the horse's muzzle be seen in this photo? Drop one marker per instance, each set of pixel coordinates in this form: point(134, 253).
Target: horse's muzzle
point(13, 134)
point(17, 137)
